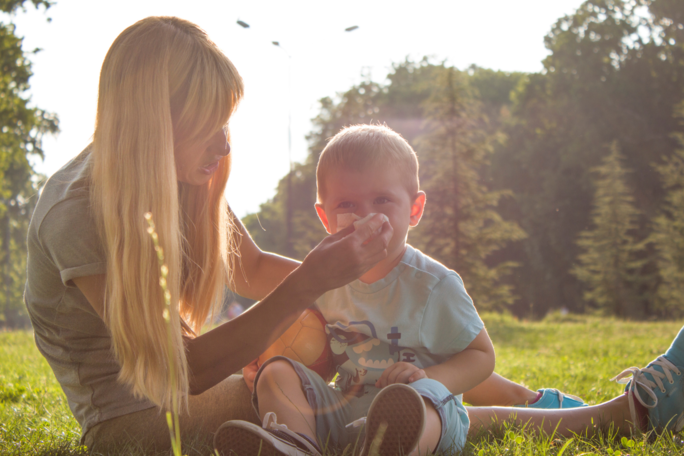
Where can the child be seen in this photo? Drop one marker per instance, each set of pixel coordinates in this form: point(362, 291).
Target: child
point(406, 337)
point(407, 325)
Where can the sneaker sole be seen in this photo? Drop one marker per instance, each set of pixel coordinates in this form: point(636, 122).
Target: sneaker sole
point(402, 410)
point(238, 440)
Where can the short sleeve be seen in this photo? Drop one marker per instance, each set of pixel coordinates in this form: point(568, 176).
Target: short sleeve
point(450, 321)
point(68, 236)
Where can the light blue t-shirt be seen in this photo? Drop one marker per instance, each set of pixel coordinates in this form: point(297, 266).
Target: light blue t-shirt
point(420, 313)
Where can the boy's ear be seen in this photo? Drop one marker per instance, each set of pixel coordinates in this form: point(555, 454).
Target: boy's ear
point(417, 208)
point(323, 216)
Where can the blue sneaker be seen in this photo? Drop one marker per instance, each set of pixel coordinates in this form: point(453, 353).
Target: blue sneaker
point(553, 399)
point(663, 384)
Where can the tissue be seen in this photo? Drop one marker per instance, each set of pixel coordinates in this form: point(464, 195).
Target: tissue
point(344, 220)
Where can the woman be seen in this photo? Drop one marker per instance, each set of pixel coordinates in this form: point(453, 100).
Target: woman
point(161, 145)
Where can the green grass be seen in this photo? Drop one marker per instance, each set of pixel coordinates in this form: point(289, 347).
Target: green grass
point(578, 355)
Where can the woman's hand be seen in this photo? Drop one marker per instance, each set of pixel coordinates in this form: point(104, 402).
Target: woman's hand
point(346, 255)
point(400, 373)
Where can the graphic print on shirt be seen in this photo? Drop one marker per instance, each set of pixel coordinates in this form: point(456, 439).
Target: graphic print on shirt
point(360, 359)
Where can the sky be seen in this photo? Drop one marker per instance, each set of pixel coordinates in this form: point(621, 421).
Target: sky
point(316, 58)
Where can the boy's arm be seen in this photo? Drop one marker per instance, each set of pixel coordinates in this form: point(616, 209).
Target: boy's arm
point(460, 373)
point(467, 369)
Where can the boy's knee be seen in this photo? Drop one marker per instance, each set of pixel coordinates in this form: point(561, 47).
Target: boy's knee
point(279, 369)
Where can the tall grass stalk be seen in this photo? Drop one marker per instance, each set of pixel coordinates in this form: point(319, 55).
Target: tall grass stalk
point(171, 416)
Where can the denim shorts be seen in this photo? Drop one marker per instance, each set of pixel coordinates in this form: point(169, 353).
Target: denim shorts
point(334, 411)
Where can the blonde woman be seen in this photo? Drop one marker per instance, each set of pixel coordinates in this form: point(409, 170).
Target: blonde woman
point(161, 146)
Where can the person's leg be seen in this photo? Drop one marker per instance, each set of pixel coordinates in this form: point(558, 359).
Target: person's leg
point(654, 400)
point(497, 390)
point(229, 400)
point(446, 419)
point(432, 433)
point(280, 391)
point(296, 406)
point(565, 422)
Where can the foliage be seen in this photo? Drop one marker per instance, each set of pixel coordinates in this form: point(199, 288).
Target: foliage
point(21, 131)
point(668, 236)
point(615, 70)
point(578, 357)
point(401, 103)
point(609, 265)
point(461, 227)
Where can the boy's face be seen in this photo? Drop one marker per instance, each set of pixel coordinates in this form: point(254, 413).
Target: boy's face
point(379, 190)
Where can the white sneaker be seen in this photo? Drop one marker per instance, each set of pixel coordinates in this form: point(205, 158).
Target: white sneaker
point(242, 438)
point(395, 422)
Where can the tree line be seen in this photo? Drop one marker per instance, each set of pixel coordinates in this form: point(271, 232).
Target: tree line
point(22, 128)
point(562, 189)
point(549, 190)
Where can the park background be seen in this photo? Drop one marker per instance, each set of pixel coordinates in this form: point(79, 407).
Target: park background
point(553, 171)
point(551, 141)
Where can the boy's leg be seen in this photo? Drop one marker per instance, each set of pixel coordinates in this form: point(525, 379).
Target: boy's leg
point(565, 422)
point(432, 433)
point(497, 390)
point(446, 419)
point(280, 391)
point(654, 400)
point(295, 404)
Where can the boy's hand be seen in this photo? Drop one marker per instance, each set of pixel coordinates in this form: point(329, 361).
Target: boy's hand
point(400, 373)
point(249, 374)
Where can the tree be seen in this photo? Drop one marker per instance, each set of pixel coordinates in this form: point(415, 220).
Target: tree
point(21, 131)
point(668, 237)
point(609, 265)
point(461, 226)
point(615, 70)
point(399, 103)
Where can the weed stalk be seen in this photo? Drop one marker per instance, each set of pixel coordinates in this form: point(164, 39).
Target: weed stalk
point(171, 416)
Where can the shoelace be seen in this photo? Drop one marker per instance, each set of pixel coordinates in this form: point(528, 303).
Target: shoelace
point(562, 395)
point(357, 423)
point(638, 378)
point(270, 423)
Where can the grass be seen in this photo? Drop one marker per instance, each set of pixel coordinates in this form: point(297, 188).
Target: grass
point(575, 354)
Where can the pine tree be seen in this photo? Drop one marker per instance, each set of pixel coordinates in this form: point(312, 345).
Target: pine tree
point(461, 226)
point(668, 237)
point(610, 263)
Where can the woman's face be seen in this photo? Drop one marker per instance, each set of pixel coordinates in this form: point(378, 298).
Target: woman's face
point(196, 163)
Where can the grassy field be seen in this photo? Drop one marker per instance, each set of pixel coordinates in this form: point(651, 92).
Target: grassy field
point(575, 354)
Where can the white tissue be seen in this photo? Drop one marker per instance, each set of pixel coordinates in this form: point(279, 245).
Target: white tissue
point(344, 220)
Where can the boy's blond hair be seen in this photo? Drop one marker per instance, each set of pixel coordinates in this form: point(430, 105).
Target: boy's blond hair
point(360, 147)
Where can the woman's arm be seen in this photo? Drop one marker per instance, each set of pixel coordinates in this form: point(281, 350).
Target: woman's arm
point(336, 261)
point(257, 273)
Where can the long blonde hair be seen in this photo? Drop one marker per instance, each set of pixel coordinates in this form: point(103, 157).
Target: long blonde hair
point(163, 84)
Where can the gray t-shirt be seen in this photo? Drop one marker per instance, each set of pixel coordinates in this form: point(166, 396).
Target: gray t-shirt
point(63, 244)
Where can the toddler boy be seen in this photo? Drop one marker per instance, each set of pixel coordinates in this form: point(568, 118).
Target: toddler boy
point(406, 338)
